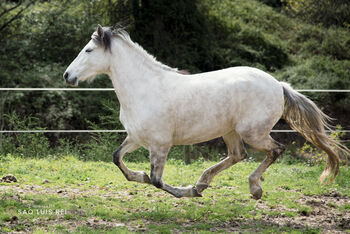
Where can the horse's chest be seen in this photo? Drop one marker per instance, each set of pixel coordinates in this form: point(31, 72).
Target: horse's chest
point(147, 123)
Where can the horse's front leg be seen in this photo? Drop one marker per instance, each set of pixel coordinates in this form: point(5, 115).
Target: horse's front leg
point(129, 146)
point(158, 159)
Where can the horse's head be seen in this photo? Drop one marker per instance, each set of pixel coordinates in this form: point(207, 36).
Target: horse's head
point(92, 60)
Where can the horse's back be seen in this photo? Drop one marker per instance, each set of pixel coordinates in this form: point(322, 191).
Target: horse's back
point(243, 84)
point(238, 75)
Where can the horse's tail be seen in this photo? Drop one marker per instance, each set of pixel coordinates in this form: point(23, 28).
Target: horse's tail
point(305, 117)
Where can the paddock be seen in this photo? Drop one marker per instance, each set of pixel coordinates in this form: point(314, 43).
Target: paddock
point(94, 197)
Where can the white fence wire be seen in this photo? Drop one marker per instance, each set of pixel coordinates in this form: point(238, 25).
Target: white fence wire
point(56, 89)
point(123, 131)
point(61, 131)
point(116, 131)
point(112, 89)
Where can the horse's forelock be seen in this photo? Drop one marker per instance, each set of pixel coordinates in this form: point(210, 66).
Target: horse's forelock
point(105, 41)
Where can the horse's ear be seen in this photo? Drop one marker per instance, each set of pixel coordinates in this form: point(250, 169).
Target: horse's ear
point(100, 31)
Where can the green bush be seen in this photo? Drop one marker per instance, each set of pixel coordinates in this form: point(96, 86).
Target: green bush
point(335, 12)
point(274, 3)
point(315, 156)
point(312, 40)
point(319, 72)
point(25, 144)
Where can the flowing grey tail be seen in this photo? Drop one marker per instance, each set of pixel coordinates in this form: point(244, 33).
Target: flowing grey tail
point(305, 117)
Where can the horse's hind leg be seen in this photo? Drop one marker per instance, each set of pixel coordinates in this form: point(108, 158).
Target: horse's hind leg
point(127, 147)
point(273, 150)
point(236, 152)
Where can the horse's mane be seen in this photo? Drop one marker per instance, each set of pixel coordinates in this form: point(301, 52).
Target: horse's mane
point(120, 32)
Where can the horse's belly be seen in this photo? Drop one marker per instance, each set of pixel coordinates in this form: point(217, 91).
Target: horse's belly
point(203, 128)
point(189, 139)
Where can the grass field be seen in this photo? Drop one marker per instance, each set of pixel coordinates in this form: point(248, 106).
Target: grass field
point(67, 195)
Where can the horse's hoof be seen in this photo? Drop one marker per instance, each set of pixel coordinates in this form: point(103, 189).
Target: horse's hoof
point(257, 193)
point(201, 187)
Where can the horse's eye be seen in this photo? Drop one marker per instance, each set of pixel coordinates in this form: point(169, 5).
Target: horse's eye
point(88, 50)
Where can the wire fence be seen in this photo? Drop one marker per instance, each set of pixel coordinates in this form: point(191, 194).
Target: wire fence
point(124, 131)
point(62, 131)
point(119, 131)
point(56, 89)
point(112, 89)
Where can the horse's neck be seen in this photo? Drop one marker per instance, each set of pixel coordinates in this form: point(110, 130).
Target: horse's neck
point(134, 75)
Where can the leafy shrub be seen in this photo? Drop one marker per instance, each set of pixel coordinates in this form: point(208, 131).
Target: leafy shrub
point(25, 144)
point(242, 38)
point(320, 72)
point(312, 40)
point(315, 156)
point(290, 155)
point(274, 3)
point(335, 12)
point(256, 48)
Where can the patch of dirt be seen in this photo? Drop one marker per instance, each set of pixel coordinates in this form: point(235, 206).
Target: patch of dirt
point(70, 225)
point(65, 191)
point(324, 213)
point(321, 211)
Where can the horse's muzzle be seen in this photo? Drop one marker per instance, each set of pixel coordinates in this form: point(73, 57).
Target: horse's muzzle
point(70, 81)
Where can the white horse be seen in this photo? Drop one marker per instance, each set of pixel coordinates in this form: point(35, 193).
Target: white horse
point(160, 107)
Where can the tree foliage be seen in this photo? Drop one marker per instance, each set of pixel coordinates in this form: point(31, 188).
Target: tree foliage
point(40, 38)
point(326, 12)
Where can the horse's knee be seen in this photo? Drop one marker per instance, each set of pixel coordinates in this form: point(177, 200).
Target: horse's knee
point(239, 156)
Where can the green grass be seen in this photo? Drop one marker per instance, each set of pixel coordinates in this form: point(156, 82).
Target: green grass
point(98, 194)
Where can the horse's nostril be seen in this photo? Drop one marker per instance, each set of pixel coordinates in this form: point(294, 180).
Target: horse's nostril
point(65, 75)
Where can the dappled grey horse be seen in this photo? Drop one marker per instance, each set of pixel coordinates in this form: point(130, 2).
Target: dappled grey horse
point(161, 107)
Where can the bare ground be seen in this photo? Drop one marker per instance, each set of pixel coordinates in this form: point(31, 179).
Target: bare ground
point(324, 214)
